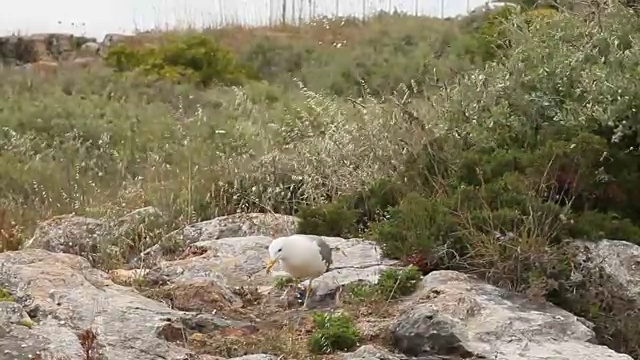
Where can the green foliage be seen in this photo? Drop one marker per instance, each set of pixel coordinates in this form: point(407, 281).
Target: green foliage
point(417, 224)
point(351, 214)
point(332, 219)
point(392, 284)
point(193, 57)
point(333, 332)
point(283, 282)
point(595, 226)
point(395, 283)
point(5, 295)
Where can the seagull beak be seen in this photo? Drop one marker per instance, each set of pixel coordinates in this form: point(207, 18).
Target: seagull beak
point(270, 264)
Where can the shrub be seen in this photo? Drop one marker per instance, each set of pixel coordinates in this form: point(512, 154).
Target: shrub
point(332, 219)
point(333, 332)
point(392, 284)
point(193, 57)
point(395, 283)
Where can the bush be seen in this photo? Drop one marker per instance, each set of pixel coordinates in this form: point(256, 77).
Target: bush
point(392, 284)
point(333, 332)
point(193, 57)
point(395, 283)
point(328, 220)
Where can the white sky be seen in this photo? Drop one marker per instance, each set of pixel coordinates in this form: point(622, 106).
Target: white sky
point(124, 16)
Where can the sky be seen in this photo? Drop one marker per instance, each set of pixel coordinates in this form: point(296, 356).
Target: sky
point(96, 19)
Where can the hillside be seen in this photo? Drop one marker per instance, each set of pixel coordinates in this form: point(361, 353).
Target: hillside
point(478, 175)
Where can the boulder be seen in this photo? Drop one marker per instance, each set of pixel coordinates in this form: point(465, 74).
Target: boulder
point(456, 314)
point(240, 261)
point(60, 307)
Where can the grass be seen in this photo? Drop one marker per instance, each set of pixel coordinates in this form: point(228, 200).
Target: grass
point(480, 145)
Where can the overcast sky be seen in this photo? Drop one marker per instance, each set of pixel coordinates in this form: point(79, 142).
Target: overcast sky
point(124, 16)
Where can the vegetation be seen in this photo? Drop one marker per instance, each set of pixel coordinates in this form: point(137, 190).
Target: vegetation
point(5, 295)
point(333, 331)
point(478, 144)
point(393, 284)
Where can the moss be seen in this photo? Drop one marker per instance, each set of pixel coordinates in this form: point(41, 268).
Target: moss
point(5, 295)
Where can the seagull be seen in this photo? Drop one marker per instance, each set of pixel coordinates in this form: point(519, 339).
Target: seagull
point(302, 256)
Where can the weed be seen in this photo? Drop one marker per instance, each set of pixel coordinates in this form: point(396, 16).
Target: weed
point(5, 295)
point(283, 282)
point(333, 332)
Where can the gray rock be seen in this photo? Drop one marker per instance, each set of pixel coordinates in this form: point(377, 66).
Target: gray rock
point(240, 261)
point(372, 352)
point(64, 296)
point(256, 357)
point(70, 234)
point(618, 260)
point(90, 48)
point(239, 225)
point(455, 314)
point(83, 236)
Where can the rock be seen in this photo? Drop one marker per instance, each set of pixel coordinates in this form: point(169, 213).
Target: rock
point(372, 352)
point(83, 236)
point(70, 234)
point(47, 47)
point(113, 39)
point(65, 298)
point(239, 225)
point(240, 261)
point(454, 314)
point(619, 261)
point(89, 49)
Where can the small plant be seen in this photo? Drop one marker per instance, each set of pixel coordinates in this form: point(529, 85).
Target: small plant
point(5, 295)
point(88, 339)
point(333, 332)
point(394, 283)
point(283, 282)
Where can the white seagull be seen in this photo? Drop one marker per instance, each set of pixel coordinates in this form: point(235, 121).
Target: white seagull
point(302, 256)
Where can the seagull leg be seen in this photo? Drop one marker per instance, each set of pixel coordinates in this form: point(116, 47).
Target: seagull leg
point(307, 293)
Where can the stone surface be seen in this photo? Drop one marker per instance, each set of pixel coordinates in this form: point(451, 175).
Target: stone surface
point(239, 225)
point(69, 234)
point(454, 314)
point(618, 260)
point(240, 261)
point(64, 296)
point(372, 352)
point(79, 235)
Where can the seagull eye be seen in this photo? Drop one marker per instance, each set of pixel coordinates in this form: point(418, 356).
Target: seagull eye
point(279, 250)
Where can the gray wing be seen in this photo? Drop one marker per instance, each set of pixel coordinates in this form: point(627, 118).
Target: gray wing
point(325, 250)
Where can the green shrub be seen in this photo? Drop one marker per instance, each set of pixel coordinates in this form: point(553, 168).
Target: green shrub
point(332, 219)
point(395, 283)
point(333, 332)
point(193, 57)
point(594, 226)
point(416, 225)
point(392, 284)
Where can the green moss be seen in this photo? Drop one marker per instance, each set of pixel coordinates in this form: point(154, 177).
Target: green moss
point(5, 295)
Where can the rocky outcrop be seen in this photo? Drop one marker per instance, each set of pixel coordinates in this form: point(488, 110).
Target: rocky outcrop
point(26, 49)
point(59, 297)
point(217, 286)
point(454, 314)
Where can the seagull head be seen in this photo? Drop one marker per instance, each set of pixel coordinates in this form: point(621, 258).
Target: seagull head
point(277, 251)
